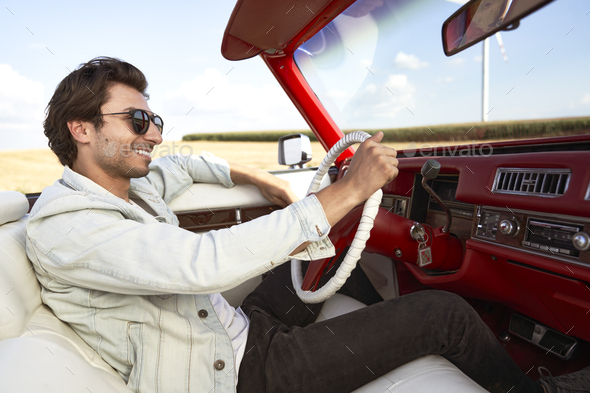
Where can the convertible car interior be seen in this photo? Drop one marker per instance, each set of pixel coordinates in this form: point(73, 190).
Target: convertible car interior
point(504, 224)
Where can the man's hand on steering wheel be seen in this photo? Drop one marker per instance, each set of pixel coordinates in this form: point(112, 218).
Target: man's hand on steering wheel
point(372, 166)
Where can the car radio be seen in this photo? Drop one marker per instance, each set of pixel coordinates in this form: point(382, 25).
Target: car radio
point(551, 236)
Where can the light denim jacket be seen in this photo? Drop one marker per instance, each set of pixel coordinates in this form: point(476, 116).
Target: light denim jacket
point(132, 285)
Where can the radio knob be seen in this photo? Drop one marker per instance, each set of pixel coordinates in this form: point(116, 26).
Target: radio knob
point(581, 241)
point(509, 227)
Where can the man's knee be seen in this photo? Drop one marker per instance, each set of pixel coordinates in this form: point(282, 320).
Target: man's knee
point(447, 303)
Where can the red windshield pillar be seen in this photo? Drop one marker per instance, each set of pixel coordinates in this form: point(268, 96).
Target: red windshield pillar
point(307, 103)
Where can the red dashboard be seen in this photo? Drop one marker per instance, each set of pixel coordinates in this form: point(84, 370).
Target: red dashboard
point(533, 269)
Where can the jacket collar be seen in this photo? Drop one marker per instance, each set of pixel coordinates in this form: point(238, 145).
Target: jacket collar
point(80, 182)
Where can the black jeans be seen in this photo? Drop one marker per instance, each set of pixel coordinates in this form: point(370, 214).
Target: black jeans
point(287, 352)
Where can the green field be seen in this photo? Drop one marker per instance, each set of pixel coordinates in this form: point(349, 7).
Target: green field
point(456, 132)
point(32, 170)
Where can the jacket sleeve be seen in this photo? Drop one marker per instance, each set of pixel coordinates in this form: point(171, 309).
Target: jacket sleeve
point(171, 175)
point(99, 249)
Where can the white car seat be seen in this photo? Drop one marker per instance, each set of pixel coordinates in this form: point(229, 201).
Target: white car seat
point(40, 353)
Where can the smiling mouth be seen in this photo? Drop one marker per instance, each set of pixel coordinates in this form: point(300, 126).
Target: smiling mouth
point(141, 152)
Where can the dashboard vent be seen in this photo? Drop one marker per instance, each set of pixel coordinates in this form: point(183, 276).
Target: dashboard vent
point(538, 182)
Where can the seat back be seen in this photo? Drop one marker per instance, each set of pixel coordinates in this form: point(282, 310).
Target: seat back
point(19, 287)
point(22, 313)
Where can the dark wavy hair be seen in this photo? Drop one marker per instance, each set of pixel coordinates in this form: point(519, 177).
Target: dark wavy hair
point(80, 95)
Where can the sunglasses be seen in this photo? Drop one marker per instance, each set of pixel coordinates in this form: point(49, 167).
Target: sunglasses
point(140, 120)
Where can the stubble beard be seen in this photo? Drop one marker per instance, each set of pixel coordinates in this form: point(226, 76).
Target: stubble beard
point(112, 157)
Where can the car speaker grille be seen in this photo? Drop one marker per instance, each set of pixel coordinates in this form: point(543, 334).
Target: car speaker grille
point(539, 182)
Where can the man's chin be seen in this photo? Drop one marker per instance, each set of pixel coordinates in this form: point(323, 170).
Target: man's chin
point(137, 172)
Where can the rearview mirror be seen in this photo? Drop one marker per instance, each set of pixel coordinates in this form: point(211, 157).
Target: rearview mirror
point(479, 19)
point(294, 150)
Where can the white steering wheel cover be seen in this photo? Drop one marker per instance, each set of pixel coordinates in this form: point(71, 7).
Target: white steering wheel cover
point(362, 234)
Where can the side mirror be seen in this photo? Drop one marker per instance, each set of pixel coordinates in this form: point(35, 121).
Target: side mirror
point(479, 19)
point(294, 150)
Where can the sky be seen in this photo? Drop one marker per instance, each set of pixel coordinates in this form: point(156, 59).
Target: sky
point(176, 44)
point(388, 69)
point(194, 89)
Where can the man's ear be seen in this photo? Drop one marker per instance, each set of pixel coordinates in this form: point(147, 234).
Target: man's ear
point(79, 130)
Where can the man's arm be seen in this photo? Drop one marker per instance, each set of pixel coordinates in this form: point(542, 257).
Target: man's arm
point(373, 166)
point(275, 189)
point(172, 174)
point(91, 244)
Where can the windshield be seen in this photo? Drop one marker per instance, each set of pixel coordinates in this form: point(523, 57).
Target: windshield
point(380, 65)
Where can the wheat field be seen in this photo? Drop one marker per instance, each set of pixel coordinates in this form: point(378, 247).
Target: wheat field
point(30, 171)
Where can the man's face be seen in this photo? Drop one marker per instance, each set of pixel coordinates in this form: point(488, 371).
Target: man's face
point(489, 13)
point(117, 149)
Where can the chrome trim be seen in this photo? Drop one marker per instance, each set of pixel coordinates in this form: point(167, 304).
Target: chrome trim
point(500, 171)
point(573, 260)
point(282, 171)
point(587, 197)
point(562, 227)
point(394, 203)
point(238, 215)
point(581, 241)
point(575, 220)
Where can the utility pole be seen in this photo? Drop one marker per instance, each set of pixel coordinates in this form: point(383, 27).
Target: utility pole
point(486, 80)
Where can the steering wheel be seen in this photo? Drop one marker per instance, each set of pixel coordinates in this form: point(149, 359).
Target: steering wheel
point(362, 234)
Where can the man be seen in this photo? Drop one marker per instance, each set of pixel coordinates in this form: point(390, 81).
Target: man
point(144, 294)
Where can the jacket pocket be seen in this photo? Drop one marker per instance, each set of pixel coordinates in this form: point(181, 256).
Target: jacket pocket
point(134, 353)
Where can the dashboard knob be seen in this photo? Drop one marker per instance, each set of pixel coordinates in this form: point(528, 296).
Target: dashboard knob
point(509, 227)
point(581, 241)
point(430, 169)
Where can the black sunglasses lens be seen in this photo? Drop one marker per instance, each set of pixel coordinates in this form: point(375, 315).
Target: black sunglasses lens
point(159, 123)
point(141, 121)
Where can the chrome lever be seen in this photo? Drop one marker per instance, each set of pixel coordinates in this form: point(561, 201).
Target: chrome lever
point(430, 171)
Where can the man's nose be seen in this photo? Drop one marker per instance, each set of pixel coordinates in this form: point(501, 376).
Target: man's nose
point(153, 134)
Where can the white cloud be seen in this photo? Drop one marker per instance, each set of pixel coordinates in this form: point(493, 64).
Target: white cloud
point(21, 109)
point(410, 62)
point(455, 61)
point(477, 58)
point(210, 102)
point(376, 100)
point(586, 98)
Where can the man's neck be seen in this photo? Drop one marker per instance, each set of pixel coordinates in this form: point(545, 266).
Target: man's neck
point(117, 186)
